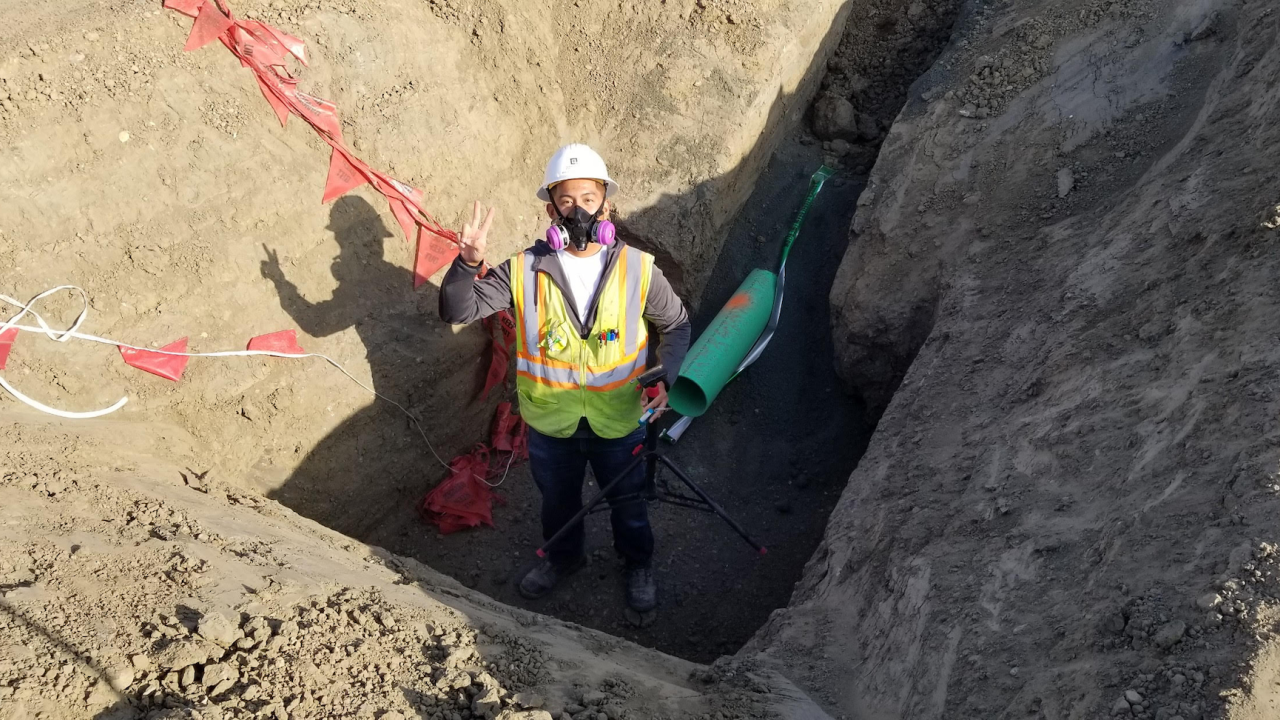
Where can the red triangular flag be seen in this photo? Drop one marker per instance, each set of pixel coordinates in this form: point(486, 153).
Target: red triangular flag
point(285, 341)
point(343, 177)
point(498, 358)
point(503, 423)
point(507, 322)
point(322, 114)
point(434, 252)
point(190, 8)
point(169, 367)
point(255, 46)
point(6, 344)
point(295, 46)
point(278, 105)
point(210, 24)
point(394, 189)
point(407, 224)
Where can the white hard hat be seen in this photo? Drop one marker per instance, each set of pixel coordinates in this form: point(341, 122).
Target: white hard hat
point(576, 162)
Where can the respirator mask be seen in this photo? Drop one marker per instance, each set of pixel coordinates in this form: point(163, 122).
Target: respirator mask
point(580, 228)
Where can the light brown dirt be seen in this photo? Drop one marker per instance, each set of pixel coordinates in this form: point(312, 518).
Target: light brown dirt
point(145, 589)
point(160, 183)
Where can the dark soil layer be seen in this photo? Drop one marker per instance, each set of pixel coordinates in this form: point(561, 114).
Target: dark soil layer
point(779, 444)
point(775, 450)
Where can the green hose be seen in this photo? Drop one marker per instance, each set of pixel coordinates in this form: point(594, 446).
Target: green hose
point(742, 328)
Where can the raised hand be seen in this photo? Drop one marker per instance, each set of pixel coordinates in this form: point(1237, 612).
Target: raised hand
point(475, 235)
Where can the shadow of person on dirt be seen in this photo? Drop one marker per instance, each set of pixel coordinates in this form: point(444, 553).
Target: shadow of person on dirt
point(375, 461)
point(363, 274)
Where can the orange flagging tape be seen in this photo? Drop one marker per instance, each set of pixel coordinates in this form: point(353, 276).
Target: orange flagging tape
point(265, 50)
point(465, 498)
point(500, 349)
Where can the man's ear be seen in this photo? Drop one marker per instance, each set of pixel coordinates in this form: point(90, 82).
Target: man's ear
point(551, 211)
point(607, 210)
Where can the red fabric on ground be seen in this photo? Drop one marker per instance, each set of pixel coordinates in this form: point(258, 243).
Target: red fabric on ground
point(169, 367)
point(465, 499)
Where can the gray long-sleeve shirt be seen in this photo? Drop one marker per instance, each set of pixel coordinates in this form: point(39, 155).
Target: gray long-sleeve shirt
point(465, 299)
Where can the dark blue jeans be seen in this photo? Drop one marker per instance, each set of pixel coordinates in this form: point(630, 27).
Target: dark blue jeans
point(559, 468)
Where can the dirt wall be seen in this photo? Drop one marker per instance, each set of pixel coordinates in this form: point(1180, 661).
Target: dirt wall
point(1061, 288)
point(160, 183)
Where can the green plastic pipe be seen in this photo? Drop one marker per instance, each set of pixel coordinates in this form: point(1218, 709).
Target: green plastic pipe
point(740, 331)
point(714, 359)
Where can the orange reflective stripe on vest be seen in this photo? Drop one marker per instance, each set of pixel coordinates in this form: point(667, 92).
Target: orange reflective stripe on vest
point(562, 377)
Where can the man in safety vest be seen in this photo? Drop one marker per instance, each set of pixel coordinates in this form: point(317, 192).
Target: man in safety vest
point(581, 300)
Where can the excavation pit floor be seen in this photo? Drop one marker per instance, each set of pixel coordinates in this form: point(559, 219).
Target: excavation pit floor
point(775, 450)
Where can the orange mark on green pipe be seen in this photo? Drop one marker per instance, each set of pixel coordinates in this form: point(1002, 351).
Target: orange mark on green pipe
point(740, 300)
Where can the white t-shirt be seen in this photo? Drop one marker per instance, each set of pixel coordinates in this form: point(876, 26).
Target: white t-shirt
point(583, 275)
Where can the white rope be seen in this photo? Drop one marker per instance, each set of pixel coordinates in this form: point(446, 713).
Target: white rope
point(504, 472)
point(62, 413)
point(72, 332)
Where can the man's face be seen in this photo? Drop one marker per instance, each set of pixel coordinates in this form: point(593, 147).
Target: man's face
point(586, 194)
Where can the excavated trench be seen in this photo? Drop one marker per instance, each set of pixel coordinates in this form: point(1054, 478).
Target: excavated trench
point(929, 593)
point(780, 442)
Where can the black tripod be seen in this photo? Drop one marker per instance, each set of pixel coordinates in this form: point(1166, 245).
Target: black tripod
point(656, 487)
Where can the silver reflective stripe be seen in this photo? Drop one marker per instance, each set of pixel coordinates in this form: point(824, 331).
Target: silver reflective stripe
point(557, 375)
point(618, 374)
point(531, 309)
point(633, 280)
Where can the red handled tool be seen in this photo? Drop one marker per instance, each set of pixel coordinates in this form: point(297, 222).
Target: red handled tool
point(650, 393)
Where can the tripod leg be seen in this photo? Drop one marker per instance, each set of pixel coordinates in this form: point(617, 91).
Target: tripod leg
point(715, 507)
point(577, 518)
point(651, 464)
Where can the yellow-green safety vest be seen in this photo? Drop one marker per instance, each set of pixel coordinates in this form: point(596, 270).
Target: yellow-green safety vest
point(562, 377)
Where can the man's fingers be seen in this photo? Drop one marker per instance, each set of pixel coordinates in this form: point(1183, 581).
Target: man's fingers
point(488, 220)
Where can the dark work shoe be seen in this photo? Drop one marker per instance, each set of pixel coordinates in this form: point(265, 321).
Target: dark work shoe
point(543, 577)
point(642, 591)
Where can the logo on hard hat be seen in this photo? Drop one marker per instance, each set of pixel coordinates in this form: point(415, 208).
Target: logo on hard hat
point(575, 162)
